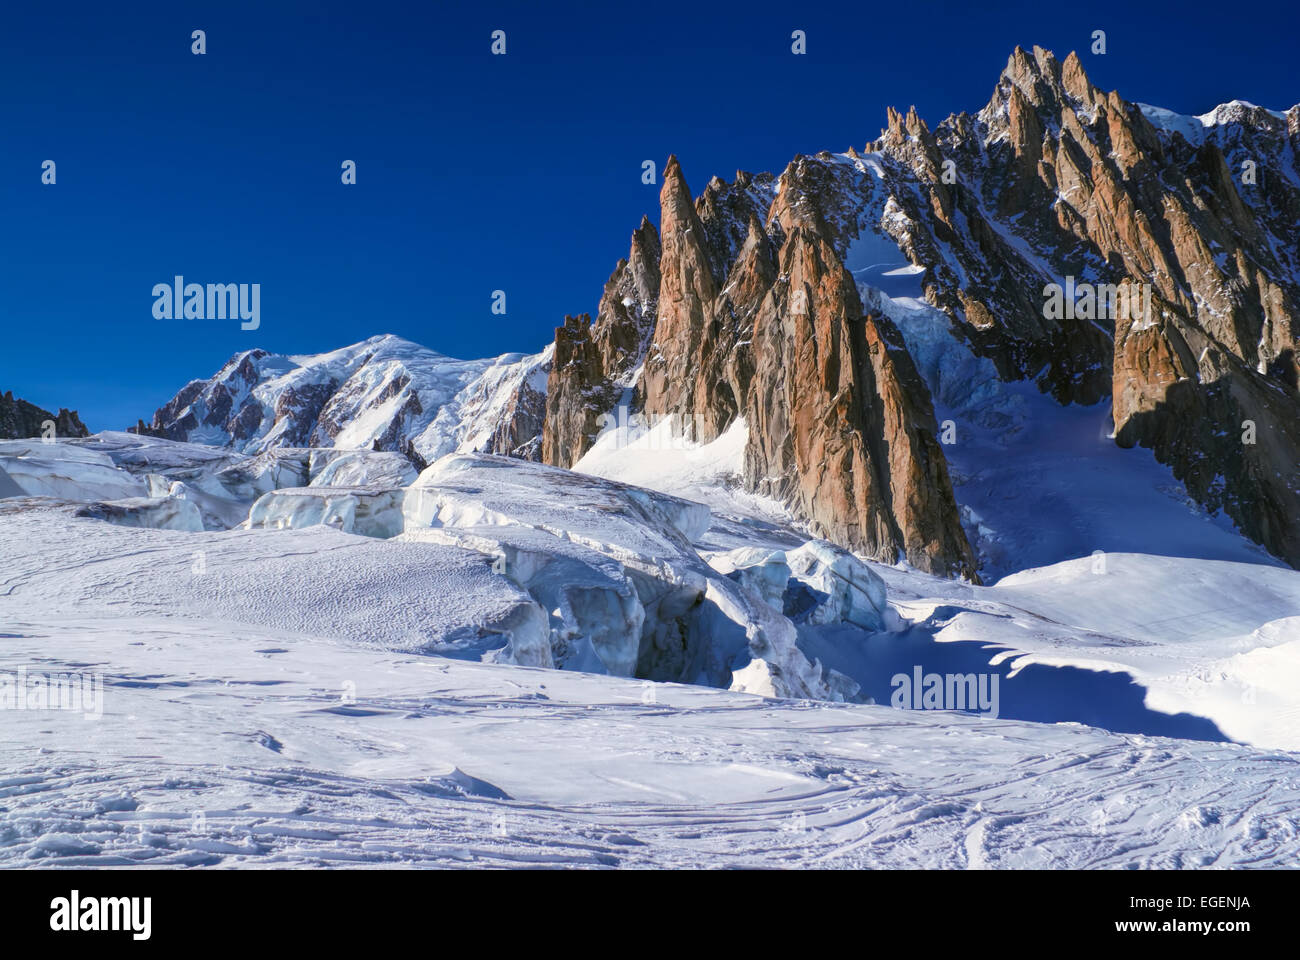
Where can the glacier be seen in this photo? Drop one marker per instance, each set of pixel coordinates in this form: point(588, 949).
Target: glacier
point(319, 657)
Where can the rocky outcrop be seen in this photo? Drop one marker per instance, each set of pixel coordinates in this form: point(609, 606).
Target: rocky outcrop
point(692, 370)
point(225, 409)
point(1053, 183)
point(841, 425)
point(595, 364)
point(20, 420)
point(1200, 214)
point(502, 411)
point(765, 322)
point(765, 299)
point(1230, 433)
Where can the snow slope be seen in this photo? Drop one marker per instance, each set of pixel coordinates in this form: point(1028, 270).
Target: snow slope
point(1208, 638)
point(266, 748)
point(310, 697)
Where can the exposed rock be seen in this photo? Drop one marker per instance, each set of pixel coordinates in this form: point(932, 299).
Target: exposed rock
point(1053, 183)
point(596, 364)
point(837, 415)
point(20, 420)
point(1231, 435)
point(680, 369)
point(841, 425)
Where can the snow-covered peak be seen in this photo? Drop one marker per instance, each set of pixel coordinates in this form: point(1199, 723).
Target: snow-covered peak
point(383, 393)
point(1237, 111)
point(1194, 128)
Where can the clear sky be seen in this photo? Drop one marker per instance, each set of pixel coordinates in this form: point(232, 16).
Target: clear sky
point(474, 172)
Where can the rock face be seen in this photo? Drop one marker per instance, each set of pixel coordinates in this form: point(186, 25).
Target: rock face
point(1200, 213)
point(1105, 251)
point(20, 420)
point(841, 426)
point(766, 324)
point(594, 364)
point(1172, 238)
point(682, 373)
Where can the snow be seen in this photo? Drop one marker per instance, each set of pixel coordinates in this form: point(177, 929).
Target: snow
point(1020, 459)
point(379, 394)
point(172, 512)
point(659, 455)
point(360, 468)
point(53, 469)
point(1214, 639)
point(838, 588)
point(317, 655)
point(262, 748)
point(815, 584)
point(467, 423)
point(8, 487)
point(657, 608)
point(1194, 128)
point(368, 511)
point(629, 522)
point(1191, 128)
point(759, 569)
point(359, 591)
point(594, 611)
point(474, 689)
point(875, 261)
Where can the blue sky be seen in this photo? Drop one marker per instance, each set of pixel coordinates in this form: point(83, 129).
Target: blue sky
point(475, 172)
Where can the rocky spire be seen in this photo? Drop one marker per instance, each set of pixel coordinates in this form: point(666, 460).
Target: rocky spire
point(1053, 181)
point(680, 369)
point(595, 362)
point(20, 420)
point(841, 425)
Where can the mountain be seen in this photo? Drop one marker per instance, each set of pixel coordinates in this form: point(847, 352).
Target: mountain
point(20, 419)
point(338, 604)
point(384, 393)
point(865, 323)
point(831, 308)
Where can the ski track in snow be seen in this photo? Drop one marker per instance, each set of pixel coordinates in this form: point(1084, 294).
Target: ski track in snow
point(237, 748)
point(276, 706)
point(259, 726)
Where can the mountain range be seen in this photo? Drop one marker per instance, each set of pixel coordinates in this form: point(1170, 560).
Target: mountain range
point(931, 503)
point(864, 315)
